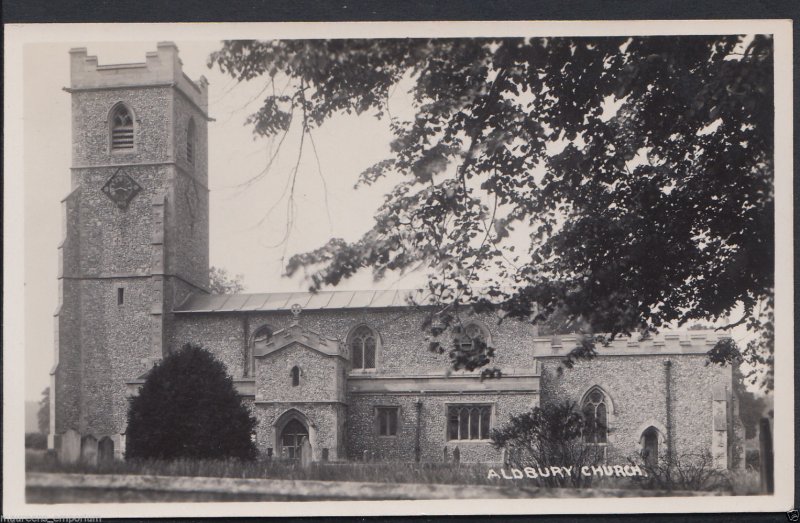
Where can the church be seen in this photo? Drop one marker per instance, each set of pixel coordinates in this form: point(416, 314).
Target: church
point(344, 375)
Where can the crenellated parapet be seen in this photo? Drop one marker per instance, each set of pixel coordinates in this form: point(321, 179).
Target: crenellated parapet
point(691, 342)
point(162, 67)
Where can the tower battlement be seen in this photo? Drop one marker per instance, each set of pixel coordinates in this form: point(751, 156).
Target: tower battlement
point(160, 68)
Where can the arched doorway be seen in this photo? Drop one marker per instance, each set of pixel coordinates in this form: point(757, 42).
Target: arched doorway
point(650, 446)
point(292, 437)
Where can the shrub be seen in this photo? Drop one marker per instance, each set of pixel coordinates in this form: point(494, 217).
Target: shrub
point(35, 440)
point(189, 408)
point(545, 436)
point(693, 471)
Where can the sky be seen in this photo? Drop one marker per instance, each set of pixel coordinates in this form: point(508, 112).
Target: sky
point(244, 239)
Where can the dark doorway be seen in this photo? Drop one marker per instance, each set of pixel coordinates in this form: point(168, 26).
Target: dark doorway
point(292, 438)
point(650, 446)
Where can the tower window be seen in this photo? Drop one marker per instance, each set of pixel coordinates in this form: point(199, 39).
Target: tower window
point(190, 138)
point(121, 128)
point(295, 376)
point(120, 295)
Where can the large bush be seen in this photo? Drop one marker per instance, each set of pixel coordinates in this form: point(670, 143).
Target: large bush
point(189, 408)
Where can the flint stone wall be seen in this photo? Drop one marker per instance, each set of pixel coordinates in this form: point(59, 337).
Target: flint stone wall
point(636, 387)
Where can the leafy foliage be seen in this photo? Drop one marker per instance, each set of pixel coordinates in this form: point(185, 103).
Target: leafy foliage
point(43, 414)
point(638, 169)
point(751, 407)
point(548, 435)
point(220, 282)
point(188, 408)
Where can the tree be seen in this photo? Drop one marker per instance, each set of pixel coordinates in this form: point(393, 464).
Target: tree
point(751, 407)
point(638, 169)
point(220, 282)
point(188, 408)
point(43, 415)
point(550, 435)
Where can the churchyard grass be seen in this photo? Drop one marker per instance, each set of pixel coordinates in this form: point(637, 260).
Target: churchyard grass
point(392, 472)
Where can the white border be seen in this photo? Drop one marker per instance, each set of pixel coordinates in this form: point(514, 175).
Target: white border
point(16, 36)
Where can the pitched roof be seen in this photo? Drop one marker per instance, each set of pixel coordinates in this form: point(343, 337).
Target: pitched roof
point(283, 301)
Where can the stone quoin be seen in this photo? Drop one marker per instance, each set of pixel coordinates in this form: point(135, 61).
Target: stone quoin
point(339, 375)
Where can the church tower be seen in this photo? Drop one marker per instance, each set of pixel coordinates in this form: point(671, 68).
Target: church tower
point(135, 235)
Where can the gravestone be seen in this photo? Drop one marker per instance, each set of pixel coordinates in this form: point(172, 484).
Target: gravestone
point(766, 456)
point(305, 454)
point(89, 450)
point(456, 456)
point(105, 450)
point(70, 451)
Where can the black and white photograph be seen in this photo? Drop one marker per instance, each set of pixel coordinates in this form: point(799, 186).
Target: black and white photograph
point(476, 268)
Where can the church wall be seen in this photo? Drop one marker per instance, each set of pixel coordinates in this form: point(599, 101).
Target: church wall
point(183, 109)
point(65, 378)
point(113, 240)
point(323, 418)
point(188, 214)
point(403, 349)
point(90, 117)
point(363, 430)
point(636, 387)
point(115, 348)
point(187, 230)
point(221, 334)
point(317, 382)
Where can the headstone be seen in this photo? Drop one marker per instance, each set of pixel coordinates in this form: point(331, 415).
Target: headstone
point(105, 450)
point(456, 456)
point(766, 457)
point(305, 454)
point(70, 448)
point(366, 456)
point(446, 455)
point(89, 450)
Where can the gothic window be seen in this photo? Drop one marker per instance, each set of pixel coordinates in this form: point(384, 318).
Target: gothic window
point(295, 376)
point(387, 420)
point(190, 141)
point(469, 422)
point(121, 128)
point(363, 343)
point(650, 446)
point(595, 416)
